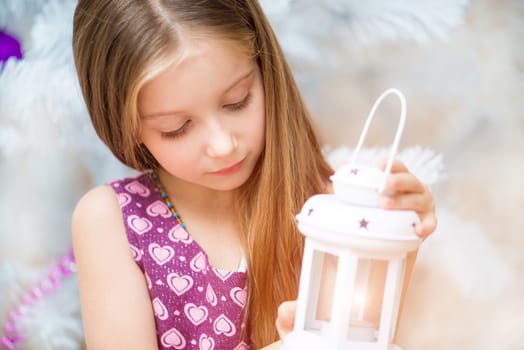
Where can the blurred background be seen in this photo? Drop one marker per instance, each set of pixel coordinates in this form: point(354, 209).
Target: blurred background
point(461, 66)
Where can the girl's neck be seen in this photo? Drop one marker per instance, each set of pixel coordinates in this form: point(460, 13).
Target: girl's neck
point(209, 218)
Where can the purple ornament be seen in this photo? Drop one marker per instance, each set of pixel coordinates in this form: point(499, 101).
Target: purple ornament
point(49, 283)
point(9, 47)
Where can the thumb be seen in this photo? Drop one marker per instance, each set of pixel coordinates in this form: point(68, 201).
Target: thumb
point(286, 317)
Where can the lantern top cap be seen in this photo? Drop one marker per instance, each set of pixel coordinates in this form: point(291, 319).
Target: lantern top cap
point(325, 217)
point(360, 184)
point(359, 175)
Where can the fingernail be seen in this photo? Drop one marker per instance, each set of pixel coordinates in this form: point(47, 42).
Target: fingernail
point(419, 230)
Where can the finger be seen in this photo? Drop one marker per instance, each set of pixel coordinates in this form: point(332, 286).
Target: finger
point(419, 202)
point(426, 226)
point(396, 167)
point(286, 317)
point(404, 182)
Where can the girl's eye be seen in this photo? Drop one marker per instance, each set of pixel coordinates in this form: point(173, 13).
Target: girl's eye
point(240, 105)
point(178, 132)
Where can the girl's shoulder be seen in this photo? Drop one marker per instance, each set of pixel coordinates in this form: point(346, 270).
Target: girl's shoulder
point(100, 208)
point(95, 202)
point(95, 213)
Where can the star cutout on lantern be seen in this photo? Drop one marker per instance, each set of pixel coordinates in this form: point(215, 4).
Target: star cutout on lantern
point(354, 171)
point(363, 223)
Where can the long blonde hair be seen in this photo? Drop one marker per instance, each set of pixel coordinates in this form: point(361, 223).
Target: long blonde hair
point(116, 44)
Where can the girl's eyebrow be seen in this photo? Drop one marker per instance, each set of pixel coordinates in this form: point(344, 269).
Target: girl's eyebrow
point(241, 79)
point(234, 84)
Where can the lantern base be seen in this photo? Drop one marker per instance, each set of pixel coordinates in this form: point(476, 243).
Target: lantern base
point(301, 340)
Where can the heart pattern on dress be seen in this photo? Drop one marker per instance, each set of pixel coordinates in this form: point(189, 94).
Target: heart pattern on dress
point(196, 314)
point(137, 188)
point(160, 309)
point(179, 284)
point(173, 339)
point(138, 224)
point(222, 274)
point(211, 296)
point(206, 343)
point(223, 325)
point(239, 296)
point(178, 234)
point(198, 263)
point(137, 254)
point(123, 199)
point(161, 254)
point(158, 208)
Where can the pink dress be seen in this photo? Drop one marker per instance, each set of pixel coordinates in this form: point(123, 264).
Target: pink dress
point(196, 306)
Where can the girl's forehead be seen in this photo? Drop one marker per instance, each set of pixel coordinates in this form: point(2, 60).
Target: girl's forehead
point(200, 68)
point(197, 53)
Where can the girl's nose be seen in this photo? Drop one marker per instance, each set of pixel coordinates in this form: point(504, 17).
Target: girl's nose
point(221, 142)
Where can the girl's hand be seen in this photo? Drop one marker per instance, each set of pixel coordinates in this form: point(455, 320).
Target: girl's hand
point(405, 191)
point(286, 317)
point(284, 323)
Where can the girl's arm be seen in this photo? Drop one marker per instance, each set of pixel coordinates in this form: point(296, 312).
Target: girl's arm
point(284, 323)
point(116, 309)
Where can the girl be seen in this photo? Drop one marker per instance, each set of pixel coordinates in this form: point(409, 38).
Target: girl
point(197, 96)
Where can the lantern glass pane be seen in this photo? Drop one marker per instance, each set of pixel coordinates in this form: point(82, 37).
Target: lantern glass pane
point(366, 304)
point(320, 291)
point(327, 287)
point(370, 292)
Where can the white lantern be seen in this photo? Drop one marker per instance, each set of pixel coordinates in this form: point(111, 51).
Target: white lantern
point(349, 227)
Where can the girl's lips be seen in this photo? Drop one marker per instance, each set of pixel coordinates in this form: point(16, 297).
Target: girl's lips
point(229, 170)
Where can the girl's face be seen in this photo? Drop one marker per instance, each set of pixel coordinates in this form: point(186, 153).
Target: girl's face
point(203, 117)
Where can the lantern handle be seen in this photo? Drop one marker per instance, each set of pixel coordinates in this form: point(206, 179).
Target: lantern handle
point(398, 134)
